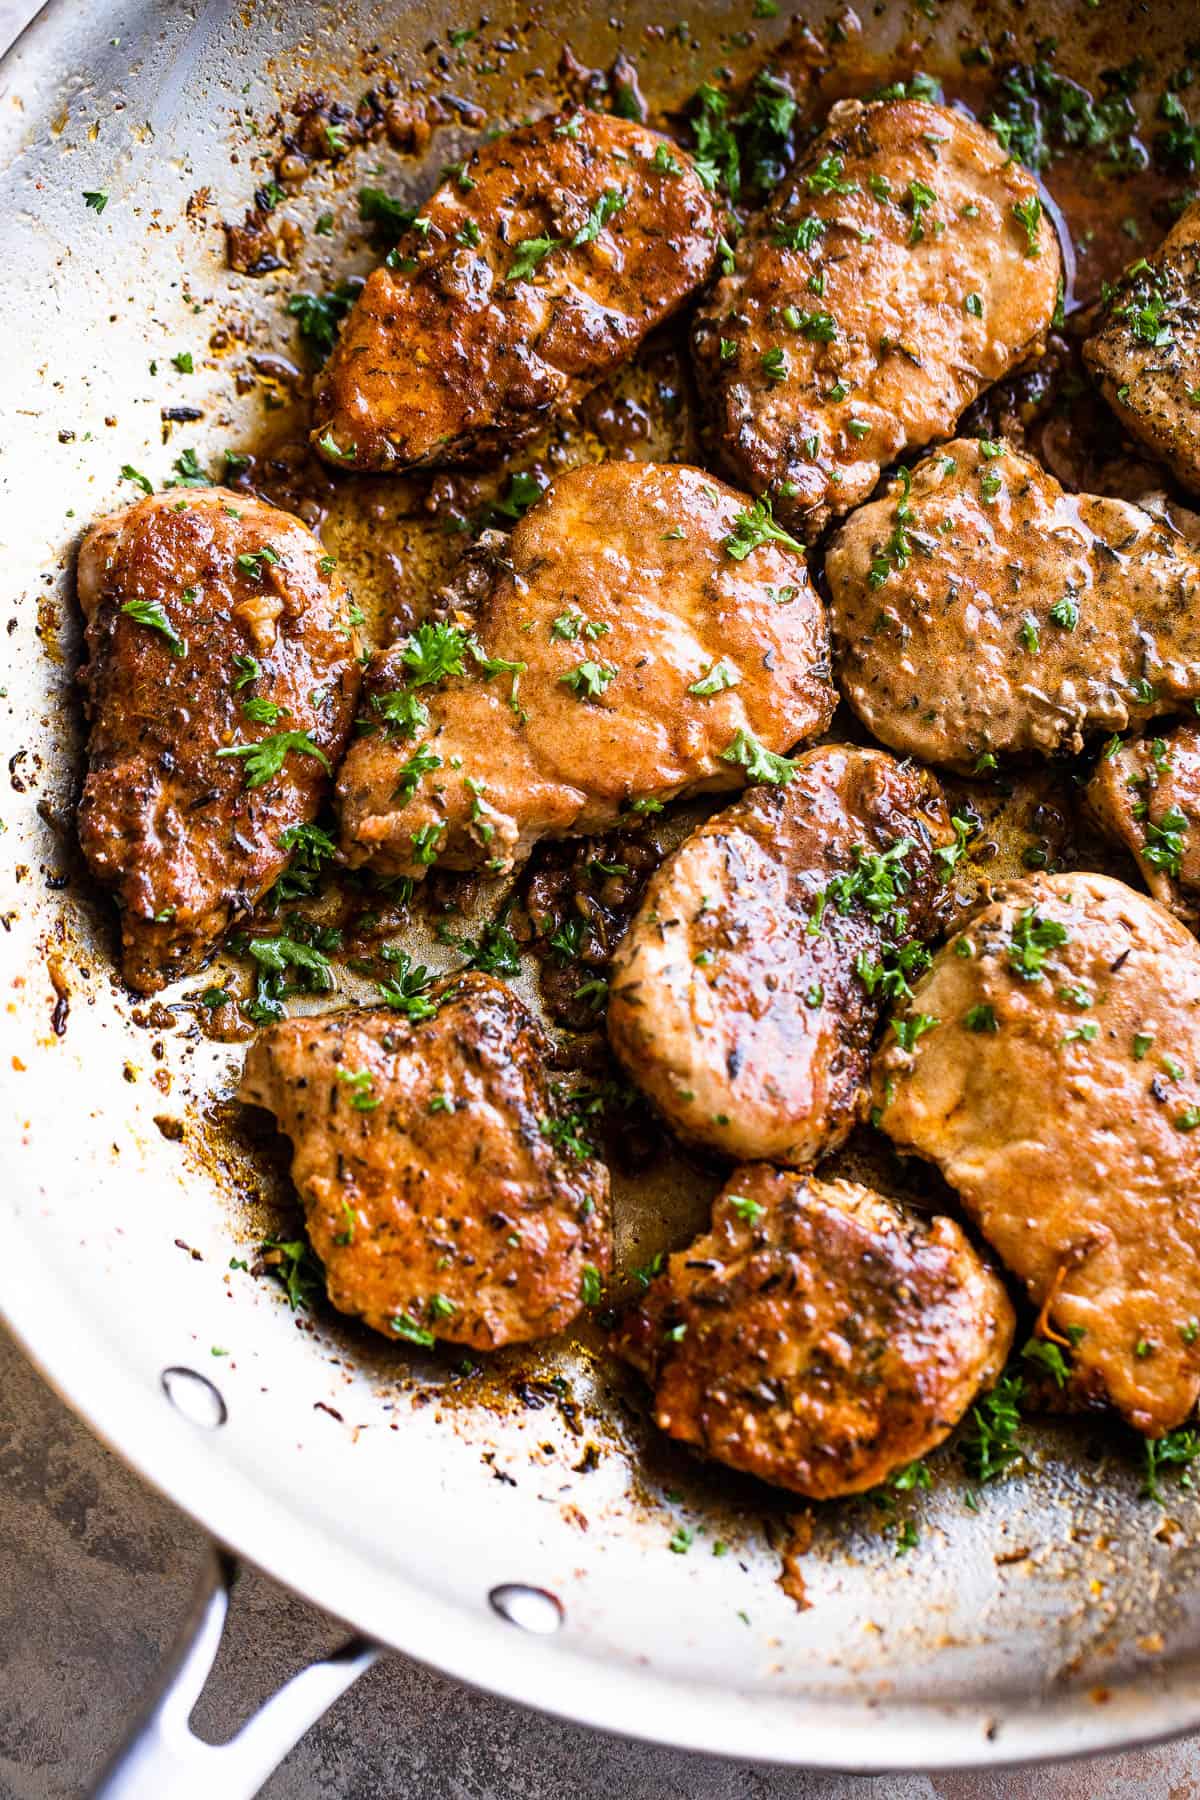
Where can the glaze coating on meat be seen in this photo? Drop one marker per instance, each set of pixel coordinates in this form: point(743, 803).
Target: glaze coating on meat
point(980, 608)
point(529, 277)
point(904, 267)
point(1055, 1080)
point(426, 1156)
point(817, 1336)
point(1146, 355)
point(616, 597)
point(213, 621)
point(744, 999)
point(1146, 795)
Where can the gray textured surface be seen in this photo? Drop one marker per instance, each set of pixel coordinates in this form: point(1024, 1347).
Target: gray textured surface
point(95, 1574)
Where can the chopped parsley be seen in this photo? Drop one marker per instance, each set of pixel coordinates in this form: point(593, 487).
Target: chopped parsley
point(95, 199)
point(588, 680)
point(1065, 613)
point(319, 316)
point(759, 763)
point(755, 526)
point(293, 1263)
point(990, 1446)
point(800, 236)
point(721, 676)
point(749, 1211)
point(359, 1087)
point(1048, 1356)
point(150, 612)
point(829, 177)
point(909, 1030)
point(1028, 213)
point(406, 990)
point(590, 1285)
point(981, 1018)
point(434, 651)
point(530, 254)
point(1165, 842)
point(1175, 1449)
point(610, 202)
point(1032, 940)
point(273, 958)
point(264, 760)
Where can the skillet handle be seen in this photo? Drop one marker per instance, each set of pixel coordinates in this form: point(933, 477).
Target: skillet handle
point(162, 1756)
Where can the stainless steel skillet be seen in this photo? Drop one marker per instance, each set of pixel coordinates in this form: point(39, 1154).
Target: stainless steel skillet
point(520, 1540)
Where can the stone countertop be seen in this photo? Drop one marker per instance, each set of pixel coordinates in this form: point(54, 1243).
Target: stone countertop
point(95, 1575)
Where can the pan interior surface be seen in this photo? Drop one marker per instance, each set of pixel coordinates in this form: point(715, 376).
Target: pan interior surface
point(418, 1498)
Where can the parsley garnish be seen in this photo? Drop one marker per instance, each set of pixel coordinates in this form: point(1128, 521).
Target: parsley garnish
point(750, 1211)
point(150, 612)
point(1165, 842)
point(1029, 214)
point(1032, 940)
point(759, 763)
point(1048, 1356)
point(529, 253)
point(1175, 1449)
point(414, 770)
point(95, 199)
point(293, 1263)
point(402, 713)
point(263, 760)
point(909, 1030)
point(800, 236)
point(434, 651)
point(827, 177)
point(719, 677)
point(990, 1446)
point(589, 680)
point(319, 315)
point(610, 202)
point(755, 526)
point(359, 1084)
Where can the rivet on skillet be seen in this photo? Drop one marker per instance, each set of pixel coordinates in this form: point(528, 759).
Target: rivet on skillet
point(195, 1397)
point(533, 1609)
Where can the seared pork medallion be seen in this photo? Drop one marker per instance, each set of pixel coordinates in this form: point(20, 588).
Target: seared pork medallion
point(535, 269)
point(1049, 1064)
point(1146, 794)
point(645, 632)
point(817, 1336)
point(904, 266)
point(439, 1182)
point(746, 993)
point(1146, 354)
point(220, 681)
point(981, 609)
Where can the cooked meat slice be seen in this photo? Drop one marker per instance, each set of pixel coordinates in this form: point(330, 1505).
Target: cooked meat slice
point(904, 267)
point(1054, 1077)
point(980, 608)
point(220, 684)
point(1146, 354)
point(744, 998)
point(818, 1337)
point(651, 660)
point(532, 272)
point(1146, 794)
point(427, 1158)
